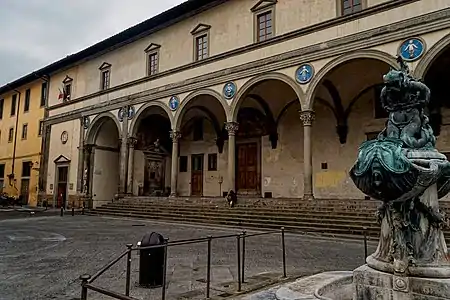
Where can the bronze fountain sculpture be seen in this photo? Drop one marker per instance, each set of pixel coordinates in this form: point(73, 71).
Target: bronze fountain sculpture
point(403, 169)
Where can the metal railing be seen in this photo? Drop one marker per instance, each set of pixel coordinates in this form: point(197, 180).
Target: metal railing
point(88, 280)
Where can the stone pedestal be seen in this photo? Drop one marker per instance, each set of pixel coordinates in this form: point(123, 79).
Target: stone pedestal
point(371, 284)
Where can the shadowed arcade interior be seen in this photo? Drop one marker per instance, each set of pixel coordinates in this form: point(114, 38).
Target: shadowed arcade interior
point(269, 142)
point(348, 112)
point(203, 148)
point(105, 172)
point(152, 154)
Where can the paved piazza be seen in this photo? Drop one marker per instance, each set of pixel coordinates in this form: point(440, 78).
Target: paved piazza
point(42, 256)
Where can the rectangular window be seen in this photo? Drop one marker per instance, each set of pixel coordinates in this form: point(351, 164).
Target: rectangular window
point(105, 79)
point(198, 130)
point(13, 105)
point(24, 131)
point(183, 164)
point(41, 127)
point(264, 26)
point(2, 103)
point(11, 135)
point(26, 168)
point(212, 162)
point(67, 91)
point(44, 93)
point(153, 63)
point(26, 106)
point(201, 47)
point(351, 6)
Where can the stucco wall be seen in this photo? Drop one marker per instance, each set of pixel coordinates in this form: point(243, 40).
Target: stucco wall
point(69, 150)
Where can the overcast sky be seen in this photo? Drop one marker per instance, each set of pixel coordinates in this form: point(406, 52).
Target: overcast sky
point(34, 33)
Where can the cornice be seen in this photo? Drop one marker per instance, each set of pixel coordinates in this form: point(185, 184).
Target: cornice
point(275, 40)
point(416, 26)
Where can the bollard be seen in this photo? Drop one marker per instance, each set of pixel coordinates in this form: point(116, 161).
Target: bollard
point(62, 211)
point(365, 243)
point(283, 246)
point(127, 287)
point(73, 211)
point(82, 210)
point(238, 248)
point(243, 256)
point(208, 270)
point(84, 280)
point(163, 296)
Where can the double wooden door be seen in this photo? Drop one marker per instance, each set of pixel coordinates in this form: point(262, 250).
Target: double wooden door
point(197, 175)
point(247, 168)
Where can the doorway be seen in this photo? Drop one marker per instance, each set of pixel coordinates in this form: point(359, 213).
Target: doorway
point(61, 196)
point(25, 190)
point(247, 168)
point(197, 175)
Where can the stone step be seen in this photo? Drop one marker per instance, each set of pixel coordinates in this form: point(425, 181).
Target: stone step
point(237, 213)
point(211, 215)
point(240, 210)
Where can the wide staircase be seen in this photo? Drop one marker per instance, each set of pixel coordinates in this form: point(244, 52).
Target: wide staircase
point(340, 218)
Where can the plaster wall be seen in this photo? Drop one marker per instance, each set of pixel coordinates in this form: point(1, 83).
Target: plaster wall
point(68, 150)
point(129, 62)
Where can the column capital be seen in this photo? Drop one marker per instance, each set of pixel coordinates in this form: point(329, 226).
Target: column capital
point(231, 127)
point(175, 136)
point(88, 148)
point(307, 117)
point(132, 141)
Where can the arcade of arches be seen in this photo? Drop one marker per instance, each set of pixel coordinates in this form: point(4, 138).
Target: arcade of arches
point(271, 149)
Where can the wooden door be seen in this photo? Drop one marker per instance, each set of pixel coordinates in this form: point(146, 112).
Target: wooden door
point(24, 190)
point(197, 175)
point(62, 186)
point(247, 167)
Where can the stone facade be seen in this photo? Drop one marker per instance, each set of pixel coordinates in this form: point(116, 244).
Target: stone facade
point(242, 118)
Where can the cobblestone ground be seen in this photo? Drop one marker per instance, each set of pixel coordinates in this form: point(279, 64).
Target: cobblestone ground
point(41, 257)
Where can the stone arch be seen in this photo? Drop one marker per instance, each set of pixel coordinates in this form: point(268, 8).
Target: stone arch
point(430, 56)
point(255, 80)
point(373, 54)
point(135, 124)
point(182, 109)
point(97, 123)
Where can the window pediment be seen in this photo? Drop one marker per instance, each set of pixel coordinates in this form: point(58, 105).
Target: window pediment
point(104, 66)
point(61, 159)
point(152, 47)
point(200, 28)
point(263, 4)
point(68, 79)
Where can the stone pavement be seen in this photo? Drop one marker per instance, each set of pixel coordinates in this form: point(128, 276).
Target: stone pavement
point(42, 256)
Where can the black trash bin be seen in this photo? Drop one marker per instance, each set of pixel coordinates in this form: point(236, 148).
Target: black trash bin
point(151, 261)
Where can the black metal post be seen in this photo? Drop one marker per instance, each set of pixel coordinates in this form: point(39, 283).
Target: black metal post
point(163, 296)
point(283, 246)
point(365, 243)
point(84, 280)
point(127, 287)
point(73, 211)
point(243, 256)
point(238, 248)
point(62, 211)
point(208, 270)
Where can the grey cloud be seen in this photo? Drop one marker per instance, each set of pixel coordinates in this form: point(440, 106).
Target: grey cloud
point(34, 33)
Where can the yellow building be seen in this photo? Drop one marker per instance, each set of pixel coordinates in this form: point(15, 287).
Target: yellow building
point(22, 108)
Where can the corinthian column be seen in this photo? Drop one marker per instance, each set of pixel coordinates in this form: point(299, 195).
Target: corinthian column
point(131, 144)
point(232, 128)
point(307, 117)
point(123, 154)
point(175, 136)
